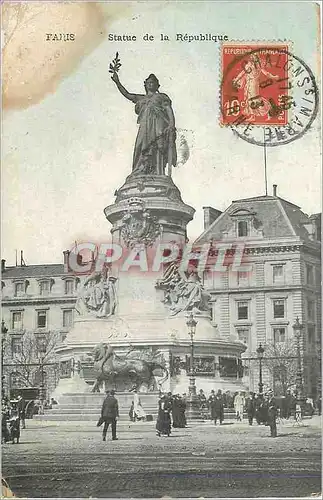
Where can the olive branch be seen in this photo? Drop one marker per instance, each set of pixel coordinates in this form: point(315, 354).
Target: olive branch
point(115, 65)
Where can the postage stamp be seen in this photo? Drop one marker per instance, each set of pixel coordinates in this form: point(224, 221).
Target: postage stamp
point(255, 83)
point(268, 95)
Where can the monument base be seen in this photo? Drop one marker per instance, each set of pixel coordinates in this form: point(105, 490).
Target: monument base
point(87, 406)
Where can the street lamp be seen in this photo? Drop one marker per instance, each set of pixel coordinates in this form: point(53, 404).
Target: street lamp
point(298, 328)
point(260, 353)
point(4, 331)
point(192, 402)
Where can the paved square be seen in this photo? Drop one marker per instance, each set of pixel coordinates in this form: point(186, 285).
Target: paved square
point(234, 460)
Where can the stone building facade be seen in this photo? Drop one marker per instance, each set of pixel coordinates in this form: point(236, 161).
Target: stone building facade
point(37, 312)
point(259, 305)
point(282, 247)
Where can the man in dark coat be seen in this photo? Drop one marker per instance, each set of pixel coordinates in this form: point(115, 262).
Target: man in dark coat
point(109, 415)
point(272, 411)
point(216, 405)
point(210, 403)
point(260, 409)
point(251, 407)
point(289, 405)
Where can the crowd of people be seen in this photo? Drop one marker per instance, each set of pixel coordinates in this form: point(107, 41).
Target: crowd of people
point(264, 408)
point(170, 406)
point(13, 414)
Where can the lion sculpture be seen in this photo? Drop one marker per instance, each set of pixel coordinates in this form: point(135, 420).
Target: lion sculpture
point(131, 371)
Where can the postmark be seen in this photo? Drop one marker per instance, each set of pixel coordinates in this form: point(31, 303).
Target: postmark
point(268, 94)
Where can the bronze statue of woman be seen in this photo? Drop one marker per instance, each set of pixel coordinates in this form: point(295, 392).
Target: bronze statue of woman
point(155, 144)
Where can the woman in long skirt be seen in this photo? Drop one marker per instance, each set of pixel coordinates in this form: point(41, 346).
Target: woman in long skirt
point(163, 424)
point(136, 411)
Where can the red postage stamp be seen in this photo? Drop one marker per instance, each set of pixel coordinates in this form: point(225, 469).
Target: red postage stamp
point(255, 84)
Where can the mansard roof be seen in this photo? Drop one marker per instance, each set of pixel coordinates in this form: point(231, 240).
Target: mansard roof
point(276, 217)
point(34, 271)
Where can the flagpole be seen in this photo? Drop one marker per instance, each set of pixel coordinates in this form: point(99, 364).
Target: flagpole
point(265, 162)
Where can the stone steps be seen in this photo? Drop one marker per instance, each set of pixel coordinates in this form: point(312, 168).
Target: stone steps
point(90, 417)
point(87, 407)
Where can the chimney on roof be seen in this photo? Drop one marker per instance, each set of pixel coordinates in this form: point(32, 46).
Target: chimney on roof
point(3, 265)
point(275, 190)
point(210, 215)
point(66, 254)
point(22, 261)
point(316, 220)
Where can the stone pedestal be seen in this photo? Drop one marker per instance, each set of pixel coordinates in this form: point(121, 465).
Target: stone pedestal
point(192, 402)
point(148, 212)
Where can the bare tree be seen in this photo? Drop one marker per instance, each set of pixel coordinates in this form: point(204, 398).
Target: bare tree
point(281, 361)
point(35, 351)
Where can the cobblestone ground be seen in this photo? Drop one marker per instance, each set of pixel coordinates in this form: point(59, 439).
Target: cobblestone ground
point(232, 460)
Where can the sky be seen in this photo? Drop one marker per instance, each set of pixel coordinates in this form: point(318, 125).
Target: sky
point(68, 135)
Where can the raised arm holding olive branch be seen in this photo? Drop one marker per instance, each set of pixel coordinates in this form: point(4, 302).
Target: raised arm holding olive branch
point(155, 146)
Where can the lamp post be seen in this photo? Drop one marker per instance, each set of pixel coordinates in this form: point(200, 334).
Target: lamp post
point(260, 353)
point(4, 331)
point(298, 328)
point(192, 402)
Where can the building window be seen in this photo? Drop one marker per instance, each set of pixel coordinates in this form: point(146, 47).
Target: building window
point(16, 345)
point(278, 273)
point(17, 320)
point(243, 278)
point(69, 287)
point(41, 319)
point(311, 334)
point(44, 287)
point(309, 274)
point(242, 228)
point(279, 308)
point(41, 342)
point(311, 310)
point(279, 335)
point(19, 289)
point(67, 318)
point(16, 380)
point(317, 277)
point(243, 310)
point(243, 335)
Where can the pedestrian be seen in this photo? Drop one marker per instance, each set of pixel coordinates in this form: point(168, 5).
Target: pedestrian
point(251, 407)
point(319, 404)
point(272, 411)
point(217, 410)
point(5, 414)
point(289, 405)
point(211, 405)
point(109, 415)
point(163, 424)
point(239, 403)
point(14, 427)
point(136, 411)
point(203, 406)
point(182, 416)
point(309, 406)
point(21, 408)
point(178, 411)
point(229, 399)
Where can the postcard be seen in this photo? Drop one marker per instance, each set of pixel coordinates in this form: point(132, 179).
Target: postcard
point(161, 249)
